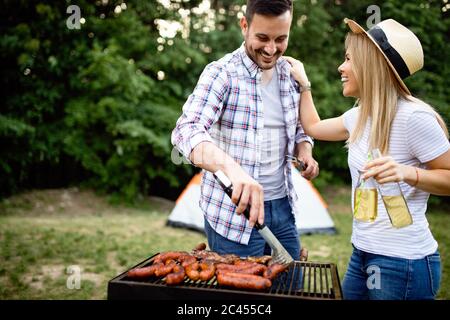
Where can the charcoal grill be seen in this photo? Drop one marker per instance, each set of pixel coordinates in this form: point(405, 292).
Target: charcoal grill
point(318, 281)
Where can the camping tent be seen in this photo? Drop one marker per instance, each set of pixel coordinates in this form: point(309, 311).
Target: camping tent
point(311, 212)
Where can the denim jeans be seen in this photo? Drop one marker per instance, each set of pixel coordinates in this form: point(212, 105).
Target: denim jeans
point(278, 218)
point(377, 277)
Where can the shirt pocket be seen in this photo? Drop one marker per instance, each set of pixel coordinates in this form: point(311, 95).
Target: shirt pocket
point(434, 271)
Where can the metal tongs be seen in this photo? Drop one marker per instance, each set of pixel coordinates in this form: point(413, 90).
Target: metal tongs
point(279, 253)
point(298, 163)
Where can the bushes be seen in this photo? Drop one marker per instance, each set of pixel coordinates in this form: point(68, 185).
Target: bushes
point(85, 100)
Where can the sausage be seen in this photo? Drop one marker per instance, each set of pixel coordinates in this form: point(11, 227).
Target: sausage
point(203, 271)
point(223, 267)
point(201, 246)
point(257, 270)
point(254, 268)
point(244, 263)
point(169, 255)
point(273, 270)
point(145, 272)
point(177, 275)
point(192, 271)
point(243, 281)
point(208, 271)
point(165, 269)
point(186, 260)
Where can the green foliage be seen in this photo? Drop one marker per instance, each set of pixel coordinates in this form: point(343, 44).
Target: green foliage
point(89, 98)
point(98, 104)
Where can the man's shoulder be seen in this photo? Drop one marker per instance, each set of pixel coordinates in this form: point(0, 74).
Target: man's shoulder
point(229, 63)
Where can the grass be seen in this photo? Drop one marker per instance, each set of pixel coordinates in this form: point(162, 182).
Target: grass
point(43, 234)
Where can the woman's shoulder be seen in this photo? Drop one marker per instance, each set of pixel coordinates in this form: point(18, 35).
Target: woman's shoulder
point(407, 108)
point(352, 112)
point(350, 116)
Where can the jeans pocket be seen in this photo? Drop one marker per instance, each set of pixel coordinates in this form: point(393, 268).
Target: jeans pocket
point(434, 270)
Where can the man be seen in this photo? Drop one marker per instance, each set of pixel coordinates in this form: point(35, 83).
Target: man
point(242, 119)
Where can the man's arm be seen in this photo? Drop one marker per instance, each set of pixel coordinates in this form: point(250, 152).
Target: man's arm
point(246, 191)
point(201, 110)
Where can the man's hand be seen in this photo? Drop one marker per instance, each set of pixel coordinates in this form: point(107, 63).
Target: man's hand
point(246, 192)
point(304, 153)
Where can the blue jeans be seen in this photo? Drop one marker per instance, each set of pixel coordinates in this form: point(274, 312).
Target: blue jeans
point(377, 277)
point(278, 218)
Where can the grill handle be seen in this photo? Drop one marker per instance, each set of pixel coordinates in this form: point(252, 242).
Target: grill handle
point(227, 186)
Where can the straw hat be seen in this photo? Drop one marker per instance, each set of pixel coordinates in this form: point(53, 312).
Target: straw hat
point(400, 47)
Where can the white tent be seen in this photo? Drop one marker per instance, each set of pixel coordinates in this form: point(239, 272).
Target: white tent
point(311, 212)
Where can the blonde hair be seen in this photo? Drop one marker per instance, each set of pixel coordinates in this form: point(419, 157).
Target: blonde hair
point(379, 91)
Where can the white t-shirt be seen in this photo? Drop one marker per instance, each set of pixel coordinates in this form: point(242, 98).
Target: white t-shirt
point(416, 138)
point(273, 148)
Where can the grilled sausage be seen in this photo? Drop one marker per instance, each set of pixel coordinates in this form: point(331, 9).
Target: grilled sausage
point(208, 270)
point(201, 246)
point(145, 272)
point(177, 275)
point(192, 271)
point(245, 263)
point(243, 281)
point(165, 269)
point(273, 270)
point(169, 255)
point(254, 268)
point(186, 260)
point(203, 271)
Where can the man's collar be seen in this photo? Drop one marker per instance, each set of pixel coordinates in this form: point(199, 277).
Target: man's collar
point(251, 66)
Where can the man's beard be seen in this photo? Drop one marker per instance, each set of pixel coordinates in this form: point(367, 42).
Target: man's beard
point(261, 53)
point(258, 53)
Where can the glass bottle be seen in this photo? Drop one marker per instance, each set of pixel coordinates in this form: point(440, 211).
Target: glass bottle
point(365, 201)
point(394, 201)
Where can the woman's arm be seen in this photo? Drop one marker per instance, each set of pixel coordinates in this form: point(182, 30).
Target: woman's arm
point(435, 179)
point(330, 129)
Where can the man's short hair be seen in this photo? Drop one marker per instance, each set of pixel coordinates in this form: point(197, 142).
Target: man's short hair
point(271, 8)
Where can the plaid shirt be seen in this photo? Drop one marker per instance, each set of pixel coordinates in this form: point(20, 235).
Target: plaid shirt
point(226, 109)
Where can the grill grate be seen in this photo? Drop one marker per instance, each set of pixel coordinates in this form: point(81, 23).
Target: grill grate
point(304, 280)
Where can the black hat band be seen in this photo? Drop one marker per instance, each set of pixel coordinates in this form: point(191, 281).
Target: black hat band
point(394, 57)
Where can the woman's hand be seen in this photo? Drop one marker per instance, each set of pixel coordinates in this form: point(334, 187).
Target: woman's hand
point(386, 169)
point(297, 70)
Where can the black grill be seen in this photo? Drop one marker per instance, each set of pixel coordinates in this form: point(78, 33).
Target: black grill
point(318, 281)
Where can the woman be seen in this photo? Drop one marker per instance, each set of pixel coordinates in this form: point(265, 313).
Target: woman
point(387, 262)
